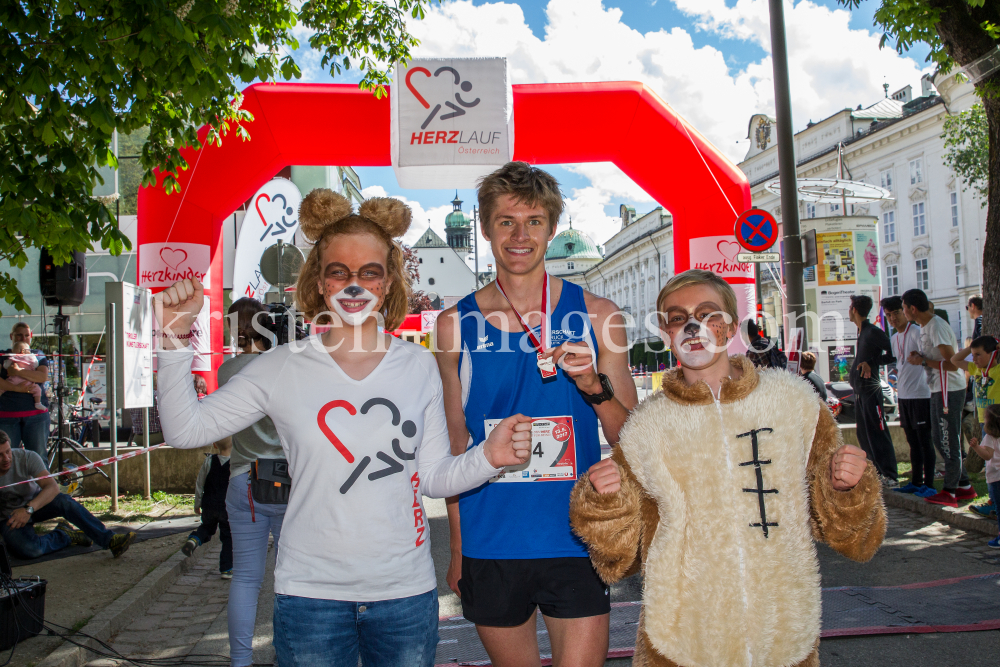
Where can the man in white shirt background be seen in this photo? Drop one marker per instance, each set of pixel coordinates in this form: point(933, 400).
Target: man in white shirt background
point(914, 394)
point(947, 385)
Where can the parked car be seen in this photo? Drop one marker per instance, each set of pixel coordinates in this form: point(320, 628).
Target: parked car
point(841, 402)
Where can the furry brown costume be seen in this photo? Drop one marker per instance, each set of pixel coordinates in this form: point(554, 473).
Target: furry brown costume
point(720, 502)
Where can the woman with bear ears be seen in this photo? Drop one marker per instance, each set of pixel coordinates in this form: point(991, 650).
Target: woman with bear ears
point(361, 420)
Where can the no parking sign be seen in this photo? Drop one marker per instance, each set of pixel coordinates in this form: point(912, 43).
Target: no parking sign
point(756, 230)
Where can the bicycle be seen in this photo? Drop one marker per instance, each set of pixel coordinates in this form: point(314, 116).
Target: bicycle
point(77, 423)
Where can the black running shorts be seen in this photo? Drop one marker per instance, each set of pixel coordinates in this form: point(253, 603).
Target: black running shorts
point(504, 593)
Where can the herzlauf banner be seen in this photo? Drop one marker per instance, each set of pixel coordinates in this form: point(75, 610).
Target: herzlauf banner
point(452, 121)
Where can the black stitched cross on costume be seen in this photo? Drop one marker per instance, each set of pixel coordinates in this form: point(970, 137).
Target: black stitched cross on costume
point(760, 490)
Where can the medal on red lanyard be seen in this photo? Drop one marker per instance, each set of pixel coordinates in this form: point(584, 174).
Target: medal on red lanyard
point(985, 377)
point(902, 337)
point(543, 342)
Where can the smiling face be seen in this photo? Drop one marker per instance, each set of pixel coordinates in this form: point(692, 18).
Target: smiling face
point(519, 235)
point(897, 319)
point(354, 276)
point(694, 324)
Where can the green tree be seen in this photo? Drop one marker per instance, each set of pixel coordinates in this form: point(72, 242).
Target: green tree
point(960, 32)
point(74, 71)
point(967, 144)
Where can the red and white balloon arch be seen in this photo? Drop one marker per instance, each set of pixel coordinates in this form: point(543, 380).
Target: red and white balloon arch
point(625, 123)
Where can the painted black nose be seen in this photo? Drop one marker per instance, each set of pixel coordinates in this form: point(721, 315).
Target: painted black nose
point(354, 290)
point(692, 329)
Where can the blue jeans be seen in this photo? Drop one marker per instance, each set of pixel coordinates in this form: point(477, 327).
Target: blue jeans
point(32, 433)
point(946, 431)
point(994, 491)
point(331, 633)
point(26, 544)
point(249, 559)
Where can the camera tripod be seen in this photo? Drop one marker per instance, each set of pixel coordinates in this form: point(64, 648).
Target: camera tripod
point(54, 450)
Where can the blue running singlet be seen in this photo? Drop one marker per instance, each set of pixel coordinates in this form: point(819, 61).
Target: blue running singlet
point(522, 519)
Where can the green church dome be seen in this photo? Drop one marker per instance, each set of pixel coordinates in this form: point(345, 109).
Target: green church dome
point(572, 244)
point(457, 219)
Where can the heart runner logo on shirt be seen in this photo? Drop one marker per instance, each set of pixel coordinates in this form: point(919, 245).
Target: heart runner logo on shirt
point(407, 428)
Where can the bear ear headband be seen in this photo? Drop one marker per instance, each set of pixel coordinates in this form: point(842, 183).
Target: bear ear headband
point(322, 208)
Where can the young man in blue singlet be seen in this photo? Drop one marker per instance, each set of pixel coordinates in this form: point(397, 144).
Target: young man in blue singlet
point(512, 547)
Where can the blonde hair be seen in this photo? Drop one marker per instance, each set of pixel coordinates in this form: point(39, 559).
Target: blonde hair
point(701, 277)
point(18, 345)
point(325, 214)
point(527, 184)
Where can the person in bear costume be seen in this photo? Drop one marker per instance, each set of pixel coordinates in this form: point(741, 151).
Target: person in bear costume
point(716, 492)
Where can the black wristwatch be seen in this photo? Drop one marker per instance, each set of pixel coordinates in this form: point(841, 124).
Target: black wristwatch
point(606, 395)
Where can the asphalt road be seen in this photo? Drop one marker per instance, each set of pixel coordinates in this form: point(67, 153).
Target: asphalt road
point(913, 552)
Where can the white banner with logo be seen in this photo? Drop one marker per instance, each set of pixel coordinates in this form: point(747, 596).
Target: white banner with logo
point(452, 121)
point(161, 265)
point(273, 215)
point(718, 254)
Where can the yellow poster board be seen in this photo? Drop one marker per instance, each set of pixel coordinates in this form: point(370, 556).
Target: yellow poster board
point(836, 254)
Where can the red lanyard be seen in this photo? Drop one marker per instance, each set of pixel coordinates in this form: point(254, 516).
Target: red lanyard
point(546, 334)
point(986, 371)
point(902, 346)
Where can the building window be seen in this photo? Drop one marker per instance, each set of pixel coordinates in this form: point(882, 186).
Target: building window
point(420, 260)
point(923, 275)
point(919, 219)
point(889, 226)
point(886, 179)
point(430, 281)
point(810, 210)
point(954, 208)
point(834, 209)
point(958, 269)
point(569, 266)
point(442, 260)
point(891, 280)
point(916, 171)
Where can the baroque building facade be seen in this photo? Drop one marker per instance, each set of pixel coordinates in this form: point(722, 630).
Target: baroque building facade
point(931, 232)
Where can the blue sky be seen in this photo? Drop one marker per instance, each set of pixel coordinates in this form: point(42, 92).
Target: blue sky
point(708, 58)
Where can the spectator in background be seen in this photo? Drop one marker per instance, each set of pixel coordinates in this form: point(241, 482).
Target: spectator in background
point(250, 526)
point(807, 369)
point(947, 385)
point(24, 504)
point(210, 502)
point(975, 308)
point(762, 351)
point(200, 386)
point(27, 425)
point(914, 395)
point(873, 350)
point(989, 450)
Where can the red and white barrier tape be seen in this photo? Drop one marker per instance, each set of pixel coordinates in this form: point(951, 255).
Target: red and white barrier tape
point(90, 466)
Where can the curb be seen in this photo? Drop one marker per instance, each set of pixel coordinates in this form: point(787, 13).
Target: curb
point(960, 518)
point(132, 603)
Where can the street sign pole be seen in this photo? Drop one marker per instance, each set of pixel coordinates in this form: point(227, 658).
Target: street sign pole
point(794, 289)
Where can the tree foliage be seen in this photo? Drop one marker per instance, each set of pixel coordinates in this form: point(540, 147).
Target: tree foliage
point(74, 71)
point(967, 148)
point(418, 301)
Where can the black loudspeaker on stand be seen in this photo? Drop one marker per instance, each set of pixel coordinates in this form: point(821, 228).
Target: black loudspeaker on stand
point(63, 284)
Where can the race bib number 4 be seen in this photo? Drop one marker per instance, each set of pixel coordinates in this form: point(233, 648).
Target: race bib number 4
point(553, 452)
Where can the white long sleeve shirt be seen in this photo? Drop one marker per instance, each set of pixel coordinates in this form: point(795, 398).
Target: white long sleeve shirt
point(360, 454)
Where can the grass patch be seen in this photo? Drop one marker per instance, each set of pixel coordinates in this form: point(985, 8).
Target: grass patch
point(79, 624)
point(136, 508)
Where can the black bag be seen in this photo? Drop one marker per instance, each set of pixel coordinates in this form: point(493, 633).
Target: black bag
point(270, 483)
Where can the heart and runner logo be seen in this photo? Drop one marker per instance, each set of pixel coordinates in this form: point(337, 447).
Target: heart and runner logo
point(392, 465)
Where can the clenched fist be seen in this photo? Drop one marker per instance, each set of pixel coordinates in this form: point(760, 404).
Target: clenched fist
point(176, 309)
point(509, 443)
point(605, 476)
point(847, 466)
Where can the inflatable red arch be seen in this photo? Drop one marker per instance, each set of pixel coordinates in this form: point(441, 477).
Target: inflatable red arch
point(297, 124)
